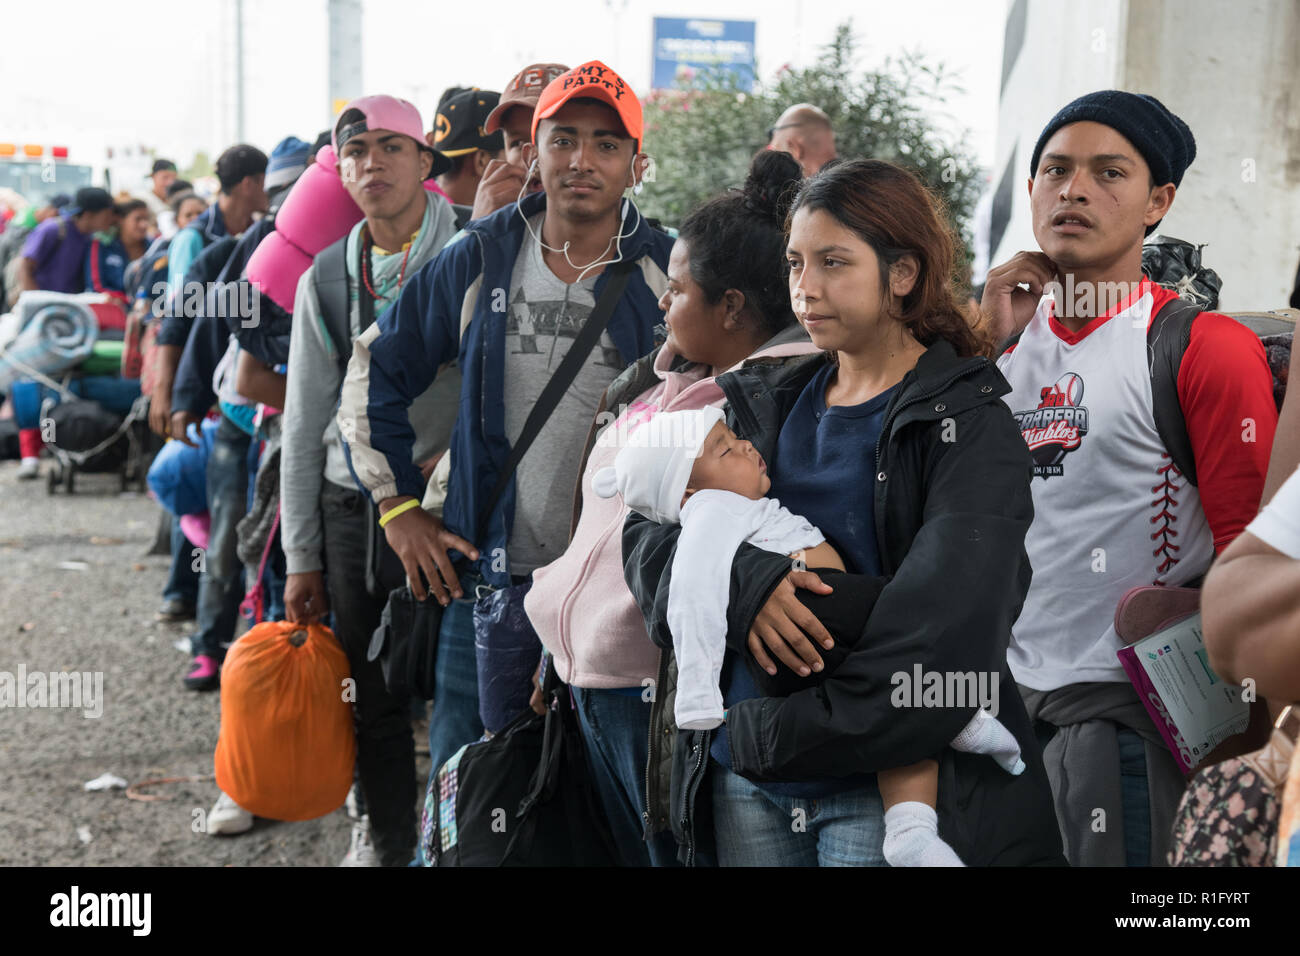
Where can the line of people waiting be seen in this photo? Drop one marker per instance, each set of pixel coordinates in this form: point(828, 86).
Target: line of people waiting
point(419, 294)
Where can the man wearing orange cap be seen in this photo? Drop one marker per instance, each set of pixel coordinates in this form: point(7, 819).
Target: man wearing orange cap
point(510, 300)
point(503, 179)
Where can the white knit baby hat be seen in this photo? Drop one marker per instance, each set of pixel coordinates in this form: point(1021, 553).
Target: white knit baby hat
point(652, 469)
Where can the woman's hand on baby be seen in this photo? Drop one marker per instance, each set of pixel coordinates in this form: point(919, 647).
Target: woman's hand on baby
point(784, 626)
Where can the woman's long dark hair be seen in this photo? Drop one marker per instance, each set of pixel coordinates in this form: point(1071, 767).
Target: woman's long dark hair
point(890, 209)
point(737, 241)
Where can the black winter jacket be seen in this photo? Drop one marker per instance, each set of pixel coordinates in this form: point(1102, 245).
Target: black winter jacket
point(952, 506)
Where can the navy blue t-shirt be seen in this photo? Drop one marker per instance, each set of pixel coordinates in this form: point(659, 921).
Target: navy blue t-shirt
point(824, 469)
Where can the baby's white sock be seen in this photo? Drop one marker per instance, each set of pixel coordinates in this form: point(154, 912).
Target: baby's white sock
point(985, 734)
point(912, 837)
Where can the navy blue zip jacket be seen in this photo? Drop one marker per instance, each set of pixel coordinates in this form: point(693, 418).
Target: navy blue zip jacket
point(209, 335)
point(454, 309)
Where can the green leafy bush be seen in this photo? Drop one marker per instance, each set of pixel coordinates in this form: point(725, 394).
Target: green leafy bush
point(703, 135)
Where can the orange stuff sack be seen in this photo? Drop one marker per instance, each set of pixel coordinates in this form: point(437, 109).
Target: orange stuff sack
point(287, 743)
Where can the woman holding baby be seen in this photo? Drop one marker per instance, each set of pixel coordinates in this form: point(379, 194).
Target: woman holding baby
point(888, 440)
point(726, 301)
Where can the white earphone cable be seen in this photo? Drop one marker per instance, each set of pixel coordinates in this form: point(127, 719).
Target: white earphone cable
point(615, 240)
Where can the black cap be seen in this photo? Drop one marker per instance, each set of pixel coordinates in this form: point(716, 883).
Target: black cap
point(458, 126)
point(90, 199)
point(162, 166)
point(1164, 140)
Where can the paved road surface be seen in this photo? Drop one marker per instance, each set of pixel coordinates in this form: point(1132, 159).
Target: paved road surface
point(98, 615)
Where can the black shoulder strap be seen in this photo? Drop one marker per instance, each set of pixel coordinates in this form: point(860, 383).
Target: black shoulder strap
point(1167, 340)
point(574, 359)
point(331, 278)
point(1009, 342)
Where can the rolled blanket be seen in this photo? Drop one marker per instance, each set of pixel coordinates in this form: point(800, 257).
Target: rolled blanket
point(61, 334)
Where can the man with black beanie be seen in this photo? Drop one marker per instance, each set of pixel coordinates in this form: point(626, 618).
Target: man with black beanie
point(1119, 502)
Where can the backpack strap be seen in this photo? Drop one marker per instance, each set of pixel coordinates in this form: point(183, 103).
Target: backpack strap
point(331, 278)
point(96, 283)
point(1167, 341)
point(620, 273)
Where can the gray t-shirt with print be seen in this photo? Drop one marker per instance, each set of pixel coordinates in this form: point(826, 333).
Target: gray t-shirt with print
point(544, 316)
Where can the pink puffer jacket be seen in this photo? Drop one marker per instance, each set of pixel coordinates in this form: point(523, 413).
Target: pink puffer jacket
point(580, 604)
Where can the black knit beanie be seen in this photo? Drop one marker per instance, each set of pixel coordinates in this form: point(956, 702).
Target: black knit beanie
point(1162, 138)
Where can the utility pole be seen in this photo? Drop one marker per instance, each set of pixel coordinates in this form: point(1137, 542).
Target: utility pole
point(616, 10)
point(239, 71)
point(345, 54)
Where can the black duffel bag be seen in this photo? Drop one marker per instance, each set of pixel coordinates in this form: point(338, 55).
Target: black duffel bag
point(521, 798)
point(82, 425)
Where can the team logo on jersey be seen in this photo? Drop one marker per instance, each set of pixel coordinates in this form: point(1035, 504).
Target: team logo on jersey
point(1057, 426)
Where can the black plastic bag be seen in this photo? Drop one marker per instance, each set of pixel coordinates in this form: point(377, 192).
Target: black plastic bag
point(81, 425)
point(1176, 264)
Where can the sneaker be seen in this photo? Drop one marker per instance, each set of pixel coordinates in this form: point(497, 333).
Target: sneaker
point(29, 470)
point(227, 818)
point(353, 803)
point(362, 851)
point(206, 674)
point(174, 610)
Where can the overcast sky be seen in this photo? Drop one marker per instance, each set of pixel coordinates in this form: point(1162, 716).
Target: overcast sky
point(160, 75)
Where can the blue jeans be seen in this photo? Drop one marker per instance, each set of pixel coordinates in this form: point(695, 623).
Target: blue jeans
point(756, 828)
point(221, 581)
point(182, 580)
point(1135, 798)
point(273, 582)
point(616, 731)
point(455, 720)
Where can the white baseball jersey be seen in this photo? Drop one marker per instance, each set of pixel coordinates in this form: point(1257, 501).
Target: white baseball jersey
point(1111, 510)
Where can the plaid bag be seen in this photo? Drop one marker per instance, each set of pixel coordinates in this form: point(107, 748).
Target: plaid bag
point(523, 797)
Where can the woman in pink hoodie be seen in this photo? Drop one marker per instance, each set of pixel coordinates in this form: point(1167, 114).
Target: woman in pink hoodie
point(727, 301)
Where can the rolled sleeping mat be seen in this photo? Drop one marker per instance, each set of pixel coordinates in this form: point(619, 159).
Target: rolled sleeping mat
point(59, 336)
point(275, 267)
point(317, 213)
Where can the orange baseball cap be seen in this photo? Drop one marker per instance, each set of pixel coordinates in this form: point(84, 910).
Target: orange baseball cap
point(597, 81)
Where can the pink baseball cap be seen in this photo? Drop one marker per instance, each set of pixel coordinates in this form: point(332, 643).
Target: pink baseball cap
point(385, 112)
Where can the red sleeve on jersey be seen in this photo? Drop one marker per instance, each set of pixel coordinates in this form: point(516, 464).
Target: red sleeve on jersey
point(1225, 389)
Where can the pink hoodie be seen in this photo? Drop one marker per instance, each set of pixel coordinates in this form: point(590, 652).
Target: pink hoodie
point(580, 604)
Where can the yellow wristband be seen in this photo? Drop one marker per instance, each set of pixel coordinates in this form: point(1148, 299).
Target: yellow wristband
point(392, 513)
